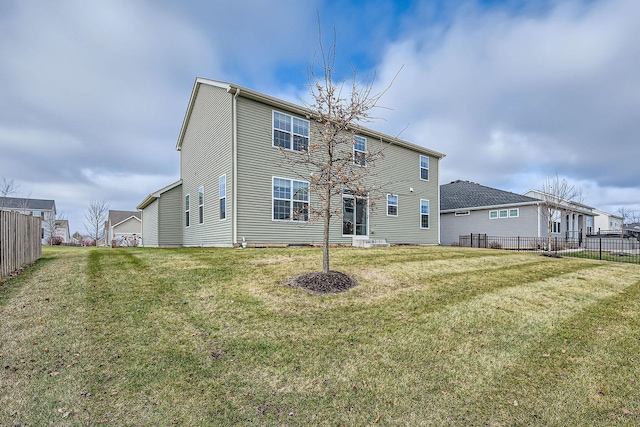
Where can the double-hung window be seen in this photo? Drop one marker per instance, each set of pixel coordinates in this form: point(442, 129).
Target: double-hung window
point(290, 133)
point(290, 200)
point(222, 191)
point(200, 205)
point(359, 150)
point(186, 210)
point(424, 168)
point(392, 205)
point(424, 213)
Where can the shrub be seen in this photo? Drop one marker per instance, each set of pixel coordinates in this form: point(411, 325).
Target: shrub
point(495, 245)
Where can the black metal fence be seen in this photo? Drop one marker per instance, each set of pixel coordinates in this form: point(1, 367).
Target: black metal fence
point(606, 247)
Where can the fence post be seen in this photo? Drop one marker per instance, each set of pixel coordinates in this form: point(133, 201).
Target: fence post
point(518, 243)
point(600, 248)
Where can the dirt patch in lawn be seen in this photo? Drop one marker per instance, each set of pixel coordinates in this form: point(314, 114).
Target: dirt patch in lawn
point(318, 283)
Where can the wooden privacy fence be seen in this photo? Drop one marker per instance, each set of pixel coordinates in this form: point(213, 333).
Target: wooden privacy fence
point(20, 241)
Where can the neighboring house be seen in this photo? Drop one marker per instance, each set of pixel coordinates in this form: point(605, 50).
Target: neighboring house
point(46, 209)
point(234, 186)
point(123, 228)
point(467, 207)
point(162, 217)
point(605, 222)
point(62, 231)
point(575, 220)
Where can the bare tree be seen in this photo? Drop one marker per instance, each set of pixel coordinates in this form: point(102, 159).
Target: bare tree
point(333, 159)
point(8, 188)
point(627, 218)
point(557, 198)
point(95, 218)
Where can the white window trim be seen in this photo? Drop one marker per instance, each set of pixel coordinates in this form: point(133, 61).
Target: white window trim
point(187, 210)
point(428, 214)
point(507, 215)
point(220, 197)
point(291, 132)
point(396, 205)
point(201, 218)
point(427, 168)
point(291, 200)
point(357, 236)
point(364, 152)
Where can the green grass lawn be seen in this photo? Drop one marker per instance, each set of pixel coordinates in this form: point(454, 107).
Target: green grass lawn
point(215, 337)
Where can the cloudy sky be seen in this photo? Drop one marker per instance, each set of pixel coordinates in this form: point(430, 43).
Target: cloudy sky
point(93, 93)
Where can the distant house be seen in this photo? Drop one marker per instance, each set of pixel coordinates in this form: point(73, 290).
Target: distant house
point(161, 217)
point(234, 186)
point(62, 231)
point(467, 207)
point(605, 222)
point(575, 220)
point(123, 228)
point(46, 209)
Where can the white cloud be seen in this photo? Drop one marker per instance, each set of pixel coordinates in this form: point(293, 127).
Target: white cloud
point(506, 95)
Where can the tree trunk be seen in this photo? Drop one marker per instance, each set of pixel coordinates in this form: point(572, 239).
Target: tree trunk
point(325, 237)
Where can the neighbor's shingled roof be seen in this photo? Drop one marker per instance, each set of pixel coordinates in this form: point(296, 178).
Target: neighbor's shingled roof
point(116, 217)
point(30, 204)
point(467, 195)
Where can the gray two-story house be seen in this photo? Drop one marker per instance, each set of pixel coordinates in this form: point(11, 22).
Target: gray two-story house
point(235, 186)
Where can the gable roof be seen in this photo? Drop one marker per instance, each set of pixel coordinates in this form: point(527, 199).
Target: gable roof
point(116, 217)
point(155, 195)
point(30, 204)
point(468, 195)
point(287, 106)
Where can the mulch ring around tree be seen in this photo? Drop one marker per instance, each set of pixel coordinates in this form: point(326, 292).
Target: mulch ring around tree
point(318, 283)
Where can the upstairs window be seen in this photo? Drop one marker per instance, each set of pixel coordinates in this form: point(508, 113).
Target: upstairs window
point(424, 168)
point(359, 150)
point(392, 205)
point(290, 133)
point(290, 200)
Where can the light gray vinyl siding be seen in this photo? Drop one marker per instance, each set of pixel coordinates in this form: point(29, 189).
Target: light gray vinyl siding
point(150, 224)
point(258, 163)
point(397, 172)
point(170, 218)
point(478, 222)
point(207, 154)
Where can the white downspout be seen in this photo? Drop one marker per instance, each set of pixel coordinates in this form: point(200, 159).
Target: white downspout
point(234, 169)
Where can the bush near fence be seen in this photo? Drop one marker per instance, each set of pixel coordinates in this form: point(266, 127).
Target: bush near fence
point(606, 247)
point(20, 241)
